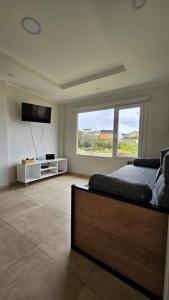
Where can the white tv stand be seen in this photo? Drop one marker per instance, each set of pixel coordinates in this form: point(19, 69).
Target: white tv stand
point(41, 169)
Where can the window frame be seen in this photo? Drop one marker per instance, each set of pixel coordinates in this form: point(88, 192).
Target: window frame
point(117, 108)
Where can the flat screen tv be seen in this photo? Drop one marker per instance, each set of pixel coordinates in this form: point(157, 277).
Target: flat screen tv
point(36, 113)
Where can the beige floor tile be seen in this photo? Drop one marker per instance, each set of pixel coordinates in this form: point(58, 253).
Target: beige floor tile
point(39, 224)
point(62, 203)
point(56, 198)
point(110, 287)
point(37, 277)
point(88, 294)
point(8, 203)
point(58, 244)
point(68, 180)
point(13, 246)
point(13, 209)
point(2, 222)
point(60, 198)
point(58, 247)
point(43, 197)
point(50, 197)
point(77, 265)
point(75, 180)
point(7, 194)
point(41, 212)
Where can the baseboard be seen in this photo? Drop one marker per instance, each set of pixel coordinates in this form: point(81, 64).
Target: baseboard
point(9, 185)
point(79, 175)
point(4, 187)
point(15, 183)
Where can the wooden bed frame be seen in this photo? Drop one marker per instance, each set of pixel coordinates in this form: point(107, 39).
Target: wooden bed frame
point(127, 239)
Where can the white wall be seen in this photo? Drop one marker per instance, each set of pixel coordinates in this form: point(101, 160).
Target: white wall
point(157, 128)
point(60, 135)
point(20, 143)
point(3, 136)
point(15, 136)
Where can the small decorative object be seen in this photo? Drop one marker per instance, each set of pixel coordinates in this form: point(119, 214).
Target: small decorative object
point(28, 161)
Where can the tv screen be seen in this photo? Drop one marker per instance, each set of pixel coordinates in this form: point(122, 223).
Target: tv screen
point(36, 113)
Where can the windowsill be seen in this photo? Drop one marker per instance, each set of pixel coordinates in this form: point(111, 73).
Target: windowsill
point(107, 157)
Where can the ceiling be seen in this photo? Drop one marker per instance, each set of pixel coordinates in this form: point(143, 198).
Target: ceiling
point(82, 38)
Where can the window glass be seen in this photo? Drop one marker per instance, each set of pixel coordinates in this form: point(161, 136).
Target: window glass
point(128, 132)
point(95, 133)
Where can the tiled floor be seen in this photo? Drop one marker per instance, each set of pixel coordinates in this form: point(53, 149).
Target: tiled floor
point(36, 262)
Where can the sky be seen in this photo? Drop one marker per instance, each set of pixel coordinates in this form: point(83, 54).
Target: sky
point(103, 119)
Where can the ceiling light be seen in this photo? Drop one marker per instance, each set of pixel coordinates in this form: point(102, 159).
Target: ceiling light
point(31, 25)
point(139, 3)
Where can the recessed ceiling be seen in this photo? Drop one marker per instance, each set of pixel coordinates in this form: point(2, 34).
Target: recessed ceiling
point(81, 38)
point(94, 77)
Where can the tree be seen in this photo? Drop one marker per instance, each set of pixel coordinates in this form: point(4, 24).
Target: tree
point(87, 139)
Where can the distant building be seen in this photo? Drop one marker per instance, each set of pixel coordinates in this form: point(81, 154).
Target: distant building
point(86, 129)
point(95, 131)
point(131, 135)
point(106, 135)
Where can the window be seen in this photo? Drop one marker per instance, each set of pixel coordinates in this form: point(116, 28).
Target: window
point(128, 132)
point(95, 133)
point(110, 132)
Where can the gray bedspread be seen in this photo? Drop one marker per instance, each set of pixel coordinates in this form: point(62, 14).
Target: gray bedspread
point(136, 175)
point(131, 182)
